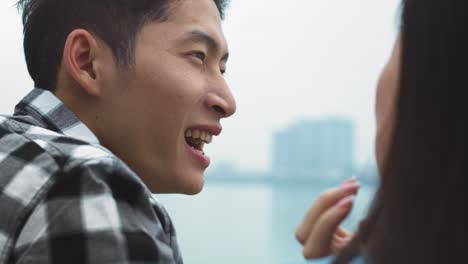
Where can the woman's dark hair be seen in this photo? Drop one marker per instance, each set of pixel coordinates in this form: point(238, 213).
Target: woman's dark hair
point(418, 212)
point(47, 24)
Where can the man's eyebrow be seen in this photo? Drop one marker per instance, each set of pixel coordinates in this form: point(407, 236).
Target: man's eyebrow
point(203, 37)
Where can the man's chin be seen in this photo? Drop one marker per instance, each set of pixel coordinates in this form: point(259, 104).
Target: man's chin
point(187, 182)
point(195, 187)
point(191, 183)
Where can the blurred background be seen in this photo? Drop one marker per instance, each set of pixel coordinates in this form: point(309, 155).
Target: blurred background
point(304, 74)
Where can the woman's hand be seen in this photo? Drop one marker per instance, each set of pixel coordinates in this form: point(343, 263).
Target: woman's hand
point(320, 232)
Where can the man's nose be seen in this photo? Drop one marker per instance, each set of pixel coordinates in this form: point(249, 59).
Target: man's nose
point(221, 101)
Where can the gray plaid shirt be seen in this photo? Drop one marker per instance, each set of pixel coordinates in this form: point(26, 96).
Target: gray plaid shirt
point(66, 199)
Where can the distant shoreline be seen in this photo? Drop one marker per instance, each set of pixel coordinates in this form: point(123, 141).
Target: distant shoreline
point(210, 179)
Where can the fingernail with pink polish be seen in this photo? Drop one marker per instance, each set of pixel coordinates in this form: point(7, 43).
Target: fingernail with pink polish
point(348, 181)
point(349, 188)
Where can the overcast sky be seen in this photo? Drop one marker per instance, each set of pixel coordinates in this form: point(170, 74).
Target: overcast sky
point(303, 59)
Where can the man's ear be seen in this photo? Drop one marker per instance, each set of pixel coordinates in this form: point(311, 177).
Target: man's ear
point(79, 60)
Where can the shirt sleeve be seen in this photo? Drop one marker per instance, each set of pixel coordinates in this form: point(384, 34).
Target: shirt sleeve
point(94, 214)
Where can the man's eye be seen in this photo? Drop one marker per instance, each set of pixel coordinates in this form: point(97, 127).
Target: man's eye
point(200, 55)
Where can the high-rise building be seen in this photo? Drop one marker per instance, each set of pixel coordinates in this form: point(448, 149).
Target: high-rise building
point(314, 149)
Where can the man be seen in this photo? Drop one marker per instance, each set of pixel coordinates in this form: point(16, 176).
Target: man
point(127, 93)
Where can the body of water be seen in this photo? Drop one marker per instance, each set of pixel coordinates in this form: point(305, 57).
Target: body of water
point(234, 223)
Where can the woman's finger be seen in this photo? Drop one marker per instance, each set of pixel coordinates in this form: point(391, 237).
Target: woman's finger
point(325, 201)
point(319, 243)
point(341, 232)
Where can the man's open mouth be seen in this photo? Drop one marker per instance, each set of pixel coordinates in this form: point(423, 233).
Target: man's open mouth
point(196, 139)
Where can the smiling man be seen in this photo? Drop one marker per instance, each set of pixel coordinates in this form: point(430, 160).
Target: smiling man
point(127, 94)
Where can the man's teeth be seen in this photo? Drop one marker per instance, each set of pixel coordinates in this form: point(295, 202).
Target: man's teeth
point(203, 135)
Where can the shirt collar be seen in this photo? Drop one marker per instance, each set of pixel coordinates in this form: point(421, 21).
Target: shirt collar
point(45, 107)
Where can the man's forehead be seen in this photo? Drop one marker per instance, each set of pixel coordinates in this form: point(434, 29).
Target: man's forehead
point(196, 10)
point(190, 22)
point(197, 20)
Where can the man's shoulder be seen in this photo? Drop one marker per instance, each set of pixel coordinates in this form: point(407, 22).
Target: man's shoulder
point(21, 137)
point(34, 159)
point(41, 167)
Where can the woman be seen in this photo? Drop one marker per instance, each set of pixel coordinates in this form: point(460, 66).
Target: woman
point(422, 151)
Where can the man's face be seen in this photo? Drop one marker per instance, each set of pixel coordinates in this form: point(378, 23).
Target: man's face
point(159, 114)
point(387, 92)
